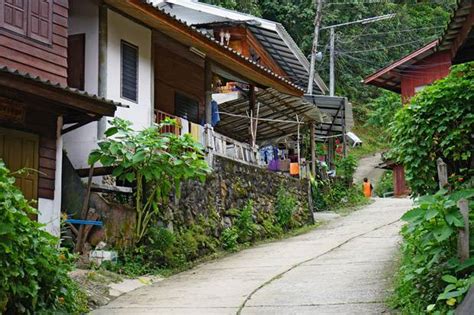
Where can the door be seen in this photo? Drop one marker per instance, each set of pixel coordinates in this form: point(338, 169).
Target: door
point(19, 150)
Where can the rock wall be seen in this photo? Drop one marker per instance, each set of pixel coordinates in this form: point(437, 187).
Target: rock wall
point(230, 186)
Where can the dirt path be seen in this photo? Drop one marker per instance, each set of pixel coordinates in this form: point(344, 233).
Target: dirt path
point(340, 268)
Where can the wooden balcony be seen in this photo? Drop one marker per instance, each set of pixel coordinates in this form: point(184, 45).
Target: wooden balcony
point(161, 116)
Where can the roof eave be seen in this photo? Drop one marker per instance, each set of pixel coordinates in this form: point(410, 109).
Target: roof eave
point(157, 19)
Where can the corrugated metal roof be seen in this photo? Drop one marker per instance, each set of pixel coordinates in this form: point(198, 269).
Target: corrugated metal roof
point(66, 89)
point(272, 35)
point(208, 37)
point(334, 107)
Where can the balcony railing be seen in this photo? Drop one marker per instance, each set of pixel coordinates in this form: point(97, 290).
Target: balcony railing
point(214, 142)
point(160, 116)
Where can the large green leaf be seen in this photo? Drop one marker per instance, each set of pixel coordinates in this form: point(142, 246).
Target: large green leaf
point(442, 233)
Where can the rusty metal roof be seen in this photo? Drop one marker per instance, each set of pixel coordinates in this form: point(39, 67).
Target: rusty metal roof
point(57, 86)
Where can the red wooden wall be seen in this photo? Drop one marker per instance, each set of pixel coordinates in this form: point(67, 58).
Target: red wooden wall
point(34, 47)
point(425, 72)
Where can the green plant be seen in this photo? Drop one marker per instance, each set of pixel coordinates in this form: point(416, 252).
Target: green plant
point(346, 167)
point(156, 162)
point(229, 239)
point(385, 184)
point(245, 224)
point(429, 255)
point(438, 123)
point(34, 271)
point(284, 208)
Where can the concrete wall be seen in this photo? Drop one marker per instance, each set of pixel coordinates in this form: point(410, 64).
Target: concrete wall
point(85, 19)
point(121, 28)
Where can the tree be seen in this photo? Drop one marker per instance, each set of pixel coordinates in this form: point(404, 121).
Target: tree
point(155, 162)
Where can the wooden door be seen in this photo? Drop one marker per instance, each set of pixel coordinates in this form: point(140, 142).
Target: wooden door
point(19, 150)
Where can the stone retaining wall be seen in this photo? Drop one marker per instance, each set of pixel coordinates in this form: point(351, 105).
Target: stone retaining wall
point(230, 186)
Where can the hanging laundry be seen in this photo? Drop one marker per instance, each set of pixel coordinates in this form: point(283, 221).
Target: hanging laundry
point(195, 132)
point(184, 126)
point(215, 113)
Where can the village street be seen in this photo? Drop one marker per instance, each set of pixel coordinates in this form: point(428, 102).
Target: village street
point(343, 267)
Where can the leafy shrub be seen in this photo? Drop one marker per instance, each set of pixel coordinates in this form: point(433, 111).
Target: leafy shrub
point(245, 224)
point(284, 208)
point(229, 239)
point(155, 161)
point(345, 167)
point(335, 195)
point(34, 272)
point(437, 123)
point(429, 264)
point(385, 185)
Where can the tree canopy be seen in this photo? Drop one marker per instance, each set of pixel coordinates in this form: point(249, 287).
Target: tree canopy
point(361, 49)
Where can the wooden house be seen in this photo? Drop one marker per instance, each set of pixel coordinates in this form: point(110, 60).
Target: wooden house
point(422, 67)
point(37, 108)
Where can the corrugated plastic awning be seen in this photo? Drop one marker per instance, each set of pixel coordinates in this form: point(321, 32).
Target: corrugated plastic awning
point(278, 110)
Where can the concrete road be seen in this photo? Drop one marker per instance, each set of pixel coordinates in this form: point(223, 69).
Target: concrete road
point(367, 168)
point(340, 268)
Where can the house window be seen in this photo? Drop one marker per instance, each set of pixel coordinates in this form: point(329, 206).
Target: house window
point(31, 18)
point(186, 107)
point(129, 74)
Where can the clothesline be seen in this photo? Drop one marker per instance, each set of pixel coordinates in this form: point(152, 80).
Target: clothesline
point(262, 119)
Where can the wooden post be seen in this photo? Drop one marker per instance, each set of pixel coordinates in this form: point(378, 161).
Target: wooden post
point(312, 139)
point(208, 90)
point(102, 84)
point(85, 210)
point(442, 173)
point(252, 98)
point(463, 236)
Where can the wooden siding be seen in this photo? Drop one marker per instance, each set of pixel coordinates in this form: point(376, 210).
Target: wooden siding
point(425, 72)
point(48, 61)
point(243, 41)
point(43, 124)
point(176, 70)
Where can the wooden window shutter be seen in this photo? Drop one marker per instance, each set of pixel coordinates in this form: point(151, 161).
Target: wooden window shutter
point(129, 71)
point(40, 20)
point(76, 61)
point(13, 15)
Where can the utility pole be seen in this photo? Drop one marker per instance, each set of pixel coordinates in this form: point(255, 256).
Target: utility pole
point(317, 22)
point(332, 38)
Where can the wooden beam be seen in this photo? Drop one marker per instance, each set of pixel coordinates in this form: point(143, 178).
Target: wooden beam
point(312, 139)
point(208, 90)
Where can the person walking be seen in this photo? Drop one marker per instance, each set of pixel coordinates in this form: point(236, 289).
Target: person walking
point(367, 188)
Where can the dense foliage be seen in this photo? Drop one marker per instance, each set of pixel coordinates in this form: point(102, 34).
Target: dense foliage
point(163, 250)
point(438, 123)
point(385, 185)
point(34, 272)
point(361, 49)
point(431, 278)
point(338, 193)
point(154, 161)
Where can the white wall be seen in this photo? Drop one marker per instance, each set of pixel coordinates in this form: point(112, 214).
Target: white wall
point(120, 28)
point(84, 19)
point(49, 211)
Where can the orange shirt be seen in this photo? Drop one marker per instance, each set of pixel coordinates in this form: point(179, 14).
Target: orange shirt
point(367, 189)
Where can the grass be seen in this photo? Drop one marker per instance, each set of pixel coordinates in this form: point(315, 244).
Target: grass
point(372, 141)
point(345, 211)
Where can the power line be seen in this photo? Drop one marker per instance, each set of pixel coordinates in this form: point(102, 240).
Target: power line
point(386, 47)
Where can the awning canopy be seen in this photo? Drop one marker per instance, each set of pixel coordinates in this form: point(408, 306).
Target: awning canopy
point(74, 105)
point(334, 110)
point(277, 113)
